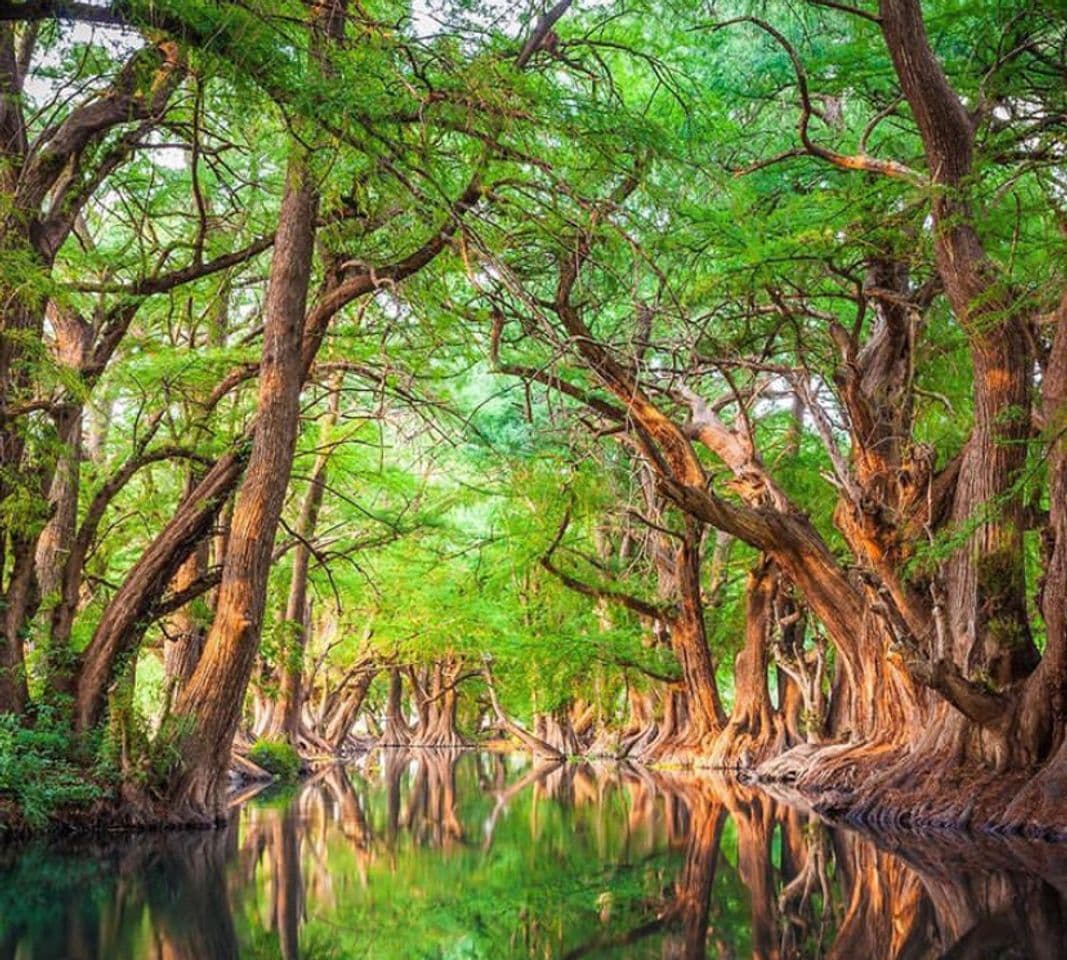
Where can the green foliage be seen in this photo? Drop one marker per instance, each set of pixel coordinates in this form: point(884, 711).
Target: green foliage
point(276, 757)
point(726, 270)
point(38, 773)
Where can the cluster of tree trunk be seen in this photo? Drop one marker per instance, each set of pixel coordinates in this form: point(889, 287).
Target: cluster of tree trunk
point(939, 706)
point(220, 543)
point(905, 692)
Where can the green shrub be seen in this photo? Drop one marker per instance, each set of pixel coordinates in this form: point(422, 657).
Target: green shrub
point(276, 757)
point(37, 774)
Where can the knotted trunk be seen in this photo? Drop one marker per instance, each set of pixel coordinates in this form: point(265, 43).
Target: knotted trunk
point(437, 728)
point(642, 728)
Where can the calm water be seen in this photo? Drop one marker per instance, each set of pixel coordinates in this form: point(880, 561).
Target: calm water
point(433, 856)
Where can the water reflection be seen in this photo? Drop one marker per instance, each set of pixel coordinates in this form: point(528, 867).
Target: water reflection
point(439, 855)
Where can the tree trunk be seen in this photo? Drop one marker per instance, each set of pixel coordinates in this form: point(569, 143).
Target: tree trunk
point(58, 534)
point(642, 728)
point(396, 733)
point(19, 604)
point(441, 702)
point(556, 730)
point(1043, 706)
point(690, 644)
point(211, 701)
point(339, 725)
point(183, 632)
point(755, 731)
point(290, 698)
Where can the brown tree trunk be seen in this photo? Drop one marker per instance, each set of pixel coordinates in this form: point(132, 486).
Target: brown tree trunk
point(184, 631)
point(988, 628)
point(396, 732)
point(754, 731)
point(58, 534)
point(690, 644)
point(1043, 706)
point(555, 729)
point(211, 701)
point(19, 603)
point(339, 725)
point(291, 697)
point(642, 728)
point(440, 703)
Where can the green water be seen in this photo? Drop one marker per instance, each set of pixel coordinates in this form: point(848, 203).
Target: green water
point(482, 856)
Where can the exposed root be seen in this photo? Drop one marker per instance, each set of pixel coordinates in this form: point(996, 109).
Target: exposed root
point(440, 739)
point(744, 745)
point(1040, 808)
point(885, 788)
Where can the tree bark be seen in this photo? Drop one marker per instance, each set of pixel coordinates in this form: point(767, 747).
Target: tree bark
point(287, 712)
point(339, 725)
point(183, 640)
point(396, 732)
point(211, 701)
point(754, 731)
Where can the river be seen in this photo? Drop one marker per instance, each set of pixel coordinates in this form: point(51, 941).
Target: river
point(470, 856)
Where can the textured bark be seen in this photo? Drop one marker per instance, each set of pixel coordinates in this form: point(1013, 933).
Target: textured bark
point(183, 632)
point(339, 724)
point(396, 732)
point(690, 644)
point(287, 713)
point(19, 603)
point(1043, 705)
point(988, 625)
point(438, 705)
point(642, 728)
point(212, 699)
point(754, 731)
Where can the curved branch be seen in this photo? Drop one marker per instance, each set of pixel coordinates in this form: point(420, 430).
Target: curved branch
point(861, 161)
point(535, 744)
point(641, 607)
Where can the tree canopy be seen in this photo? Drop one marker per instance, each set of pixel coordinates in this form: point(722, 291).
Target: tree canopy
point(675, 381)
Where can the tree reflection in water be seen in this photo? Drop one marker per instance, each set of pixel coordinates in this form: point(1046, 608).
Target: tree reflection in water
point(442, 854)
